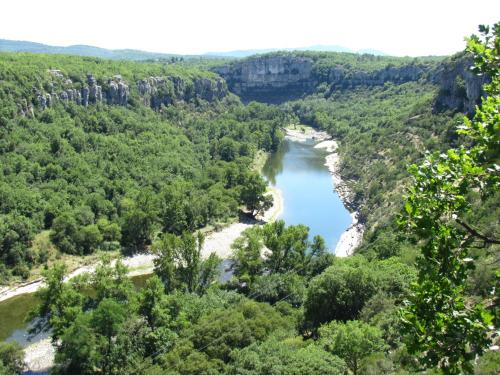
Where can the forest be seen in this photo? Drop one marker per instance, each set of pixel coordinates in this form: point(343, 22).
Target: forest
point(112, 177)
point(418, 296)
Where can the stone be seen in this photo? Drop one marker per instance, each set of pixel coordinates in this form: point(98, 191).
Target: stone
point(85, 96)
point(460, 89)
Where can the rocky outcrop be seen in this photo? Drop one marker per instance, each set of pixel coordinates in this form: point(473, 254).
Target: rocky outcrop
point(157, 91)
point(154, 91)
point(117, 91)
point(26, 109)
point(62, 89)
point(341, 77)
point(460, 89)
point(269, 78)
point(279, 78)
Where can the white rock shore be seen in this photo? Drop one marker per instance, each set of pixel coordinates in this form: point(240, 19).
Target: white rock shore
point(351, 238)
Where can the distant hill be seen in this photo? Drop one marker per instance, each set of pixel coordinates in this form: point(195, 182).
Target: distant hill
point(132, 54)
point(316, 48)
point(83, 50)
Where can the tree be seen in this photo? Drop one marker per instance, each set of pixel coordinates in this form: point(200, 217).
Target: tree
point(288, 247)
point(224, 330)
point(179, 264)
point(276, 287)
point(282, 358)
point(137, 229)
point(64, 231)
point(253, 194)
point(340, 292)
point(60, 303)
point(352, 341)
point(107, 320)
point(89, 344)
point(247, 255)
point(11, 358)
point(442, 323)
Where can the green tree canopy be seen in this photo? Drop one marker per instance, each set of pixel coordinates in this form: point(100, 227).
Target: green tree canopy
point(442, 323)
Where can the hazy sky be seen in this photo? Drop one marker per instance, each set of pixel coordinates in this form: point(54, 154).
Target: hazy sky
point(417, 27)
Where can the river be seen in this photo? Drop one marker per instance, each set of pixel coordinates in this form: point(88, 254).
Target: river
point(298, 170)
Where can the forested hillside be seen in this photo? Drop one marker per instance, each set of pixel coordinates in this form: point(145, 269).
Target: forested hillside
point(113, 170)
point(120, 156)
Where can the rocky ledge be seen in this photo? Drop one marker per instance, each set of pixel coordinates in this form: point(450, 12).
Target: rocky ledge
point(156, 91)
point(153, 91)
point(275, 78)
point(115, 91)
point(460, 89)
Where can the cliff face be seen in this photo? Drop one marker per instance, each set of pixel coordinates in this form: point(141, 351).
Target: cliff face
point(460, 89)
point(153, 91)
point(115, 91)
point(156, 91)
point(340, 77)
point(280, 78)
point(270, 78)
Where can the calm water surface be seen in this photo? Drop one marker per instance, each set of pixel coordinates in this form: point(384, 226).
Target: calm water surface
point(15, 311)
point(298, 170)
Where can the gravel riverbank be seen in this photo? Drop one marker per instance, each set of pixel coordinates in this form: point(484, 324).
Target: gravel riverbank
point(352, 237)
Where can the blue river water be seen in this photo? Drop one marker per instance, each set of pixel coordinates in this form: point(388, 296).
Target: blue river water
point(298, 170)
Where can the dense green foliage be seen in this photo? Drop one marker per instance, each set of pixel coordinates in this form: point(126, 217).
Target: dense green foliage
point(442, 323)
point(11, 358)
point(351, 341)
point(101, 324)
point(105, 177)
point(115, 328)
point(179, 264)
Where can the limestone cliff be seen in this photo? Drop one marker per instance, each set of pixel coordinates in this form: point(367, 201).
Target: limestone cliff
point(153, 91)
point(156, 91)
point(275, 78)
point(114, 91)
point(459, 88)
point(341, 77)
point(269, 78)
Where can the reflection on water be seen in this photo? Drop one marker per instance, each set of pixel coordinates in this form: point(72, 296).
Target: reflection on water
point(298, 170)
point(15, 311)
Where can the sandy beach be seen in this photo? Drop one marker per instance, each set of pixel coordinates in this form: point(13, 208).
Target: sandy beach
point(39, 356)
point(220, 242)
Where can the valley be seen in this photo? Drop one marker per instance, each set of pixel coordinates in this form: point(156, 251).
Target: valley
point(293, 212)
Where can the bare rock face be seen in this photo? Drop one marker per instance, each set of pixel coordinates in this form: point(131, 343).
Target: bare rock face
point(269, 76)
point(117, 91)
point(157, 91)
point(460, 88)
point(85, 96)
point(154, 91)
point(340, 77)
point(280, 78)
point(26, 109)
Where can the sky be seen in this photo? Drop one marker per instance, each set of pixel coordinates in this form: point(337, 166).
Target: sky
point(396, 27)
